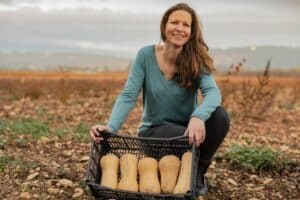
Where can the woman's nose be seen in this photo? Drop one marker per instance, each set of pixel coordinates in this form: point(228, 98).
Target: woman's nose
point(179, 27)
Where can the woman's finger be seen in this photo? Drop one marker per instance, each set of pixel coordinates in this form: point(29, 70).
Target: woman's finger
point(92, 135)
point(191, 136)
point(96, 132)
point(96, 139)
point(198, 138)
point(95, 135)
point(186, 132)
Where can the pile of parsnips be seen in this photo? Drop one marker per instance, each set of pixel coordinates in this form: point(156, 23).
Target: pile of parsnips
point(174, 174)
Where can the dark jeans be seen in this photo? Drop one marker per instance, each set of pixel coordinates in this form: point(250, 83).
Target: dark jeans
point(216, 129)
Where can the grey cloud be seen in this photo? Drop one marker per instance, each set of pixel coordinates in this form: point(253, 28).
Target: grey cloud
point(6, 2)
point(15, 2)
point(75, 30)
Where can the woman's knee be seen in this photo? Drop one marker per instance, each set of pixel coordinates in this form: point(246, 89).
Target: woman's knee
point(221, 118)
point(217, 127)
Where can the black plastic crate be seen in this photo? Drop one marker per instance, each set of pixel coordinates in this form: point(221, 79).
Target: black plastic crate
point(141, 147)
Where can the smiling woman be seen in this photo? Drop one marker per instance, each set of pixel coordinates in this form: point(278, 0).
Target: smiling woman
point(181, 23)
point(170, 75)
point(177, 30)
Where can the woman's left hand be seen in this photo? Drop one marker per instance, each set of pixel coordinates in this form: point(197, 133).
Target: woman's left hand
point(196, 131)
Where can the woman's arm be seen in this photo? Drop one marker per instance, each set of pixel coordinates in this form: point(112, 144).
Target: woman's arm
point(127, 99)
point(211, 97)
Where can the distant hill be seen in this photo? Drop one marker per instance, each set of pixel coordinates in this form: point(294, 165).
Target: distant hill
point(59, 61)
point(256, 57)
point(282, 58)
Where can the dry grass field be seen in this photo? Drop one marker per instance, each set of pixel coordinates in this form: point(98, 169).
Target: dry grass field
point(45, 118)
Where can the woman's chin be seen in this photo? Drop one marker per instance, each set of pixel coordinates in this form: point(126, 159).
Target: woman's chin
point(177, 44)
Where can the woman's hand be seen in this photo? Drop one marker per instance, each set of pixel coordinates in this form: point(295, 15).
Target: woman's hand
point(96, 130)
point(196, 131)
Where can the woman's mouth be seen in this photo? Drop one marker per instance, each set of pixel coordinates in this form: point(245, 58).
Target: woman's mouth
point(179, 36)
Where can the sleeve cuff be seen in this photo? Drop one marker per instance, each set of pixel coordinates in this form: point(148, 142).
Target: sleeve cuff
point(200, 116)
point(113, 129)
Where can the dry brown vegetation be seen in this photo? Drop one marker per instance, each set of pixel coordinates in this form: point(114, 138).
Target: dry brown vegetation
point(45, 117)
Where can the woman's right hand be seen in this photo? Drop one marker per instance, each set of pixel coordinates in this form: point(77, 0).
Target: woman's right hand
point(96, 130)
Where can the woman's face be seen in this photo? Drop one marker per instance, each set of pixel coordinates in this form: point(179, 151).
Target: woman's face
point(178, 27)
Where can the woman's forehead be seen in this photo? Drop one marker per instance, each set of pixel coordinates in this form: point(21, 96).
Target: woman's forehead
point(181, 14)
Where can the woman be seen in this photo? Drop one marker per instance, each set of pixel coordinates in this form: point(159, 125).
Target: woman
point(170, 75)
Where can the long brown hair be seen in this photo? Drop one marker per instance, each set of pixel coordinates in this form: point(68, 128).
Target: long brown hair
point(194, 58)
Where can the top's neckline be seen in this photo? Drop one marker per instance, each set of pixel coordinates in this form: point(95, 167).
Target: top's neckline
point(159, 68)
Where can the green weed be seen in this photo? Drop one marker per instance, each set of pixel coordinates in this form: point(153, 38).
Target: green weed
point(41, 111)
point(257, 158)
point(287, 106)
point(16, 162)
point(2, 144)
point(24, 165)
point(34, 127)
point(82, 132)
point(4, 160)
point(60, 132)
point(3, 126)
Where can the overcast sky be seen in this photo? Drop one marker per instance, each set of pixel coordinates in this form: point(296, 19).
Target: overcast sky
point(97, 26)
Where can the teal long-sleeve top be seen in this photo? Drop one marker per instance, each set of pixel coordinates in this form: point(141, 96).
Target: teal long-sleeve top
point(164, 101)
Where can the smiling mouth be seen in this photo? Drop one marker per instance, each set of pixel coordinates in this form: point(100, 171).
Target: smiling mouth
point(178, 36)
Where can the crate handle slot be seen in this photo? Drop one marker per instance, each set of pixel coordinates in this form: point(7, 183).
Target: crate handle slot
point(106, 134)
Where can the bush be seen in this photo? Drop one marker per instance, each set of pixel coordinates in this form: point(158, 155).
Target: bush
point(33, 90)
point(253, 98)
point(257, 158)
